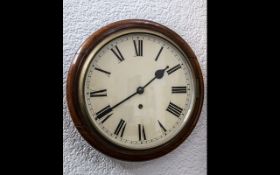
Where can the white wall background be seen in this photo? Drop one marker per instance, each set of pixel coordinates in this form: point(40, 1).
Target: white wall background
point(80, 19)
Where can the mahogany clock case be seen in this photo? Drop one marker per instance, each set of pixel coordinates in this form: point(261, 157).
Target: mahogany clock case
point(82, 122)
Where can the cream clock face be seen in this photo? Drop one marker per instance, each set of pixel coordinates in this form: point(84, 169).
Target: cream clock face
point(138, 89)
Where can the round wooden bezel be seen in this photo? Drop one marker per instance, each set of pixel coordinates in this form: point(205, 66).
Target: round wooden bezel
point(82, 122)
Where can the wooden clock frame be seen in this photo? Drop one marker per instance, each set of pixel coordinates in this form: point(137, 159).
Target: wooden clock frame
point(82, 123)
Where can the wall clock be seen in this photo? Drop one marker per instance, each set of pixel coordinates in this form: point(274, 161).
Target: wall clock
point(135, 90)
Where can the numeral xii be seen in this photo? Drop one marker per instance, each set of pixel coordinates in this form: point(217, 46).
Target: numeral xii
point(138, 46)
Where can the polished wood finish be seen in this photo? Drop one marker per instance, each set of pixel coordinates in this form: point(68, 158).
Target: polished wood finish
point(82, 123)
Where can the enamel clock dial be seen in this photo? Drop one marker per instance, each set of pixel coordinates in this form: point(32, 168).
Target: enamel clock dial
point(135, 90)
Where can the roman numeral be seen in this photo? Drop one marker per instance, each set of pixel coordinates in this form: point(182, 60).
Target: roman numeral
point(179, 89)
point(103, 112)
point(103, 71)
point(120, 128)
point(173, 69)
point(173, 109)
point(138, 47)
point(162, 127)
point(117, 53)
point(100, 93)
point(141, 131)
point(158, 53)
point(106, 118)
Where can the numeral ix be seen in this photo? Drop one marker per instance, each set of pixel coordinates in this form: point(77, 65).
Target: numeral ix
point(100, 93)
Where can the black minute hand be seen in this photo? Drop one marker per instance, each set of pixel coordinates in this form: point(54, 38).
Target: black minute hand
point(124, 100)
point(140, 90)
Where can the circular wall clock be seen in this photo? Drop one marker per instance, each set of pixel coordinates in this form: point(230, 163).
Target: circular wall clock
point(135, 90)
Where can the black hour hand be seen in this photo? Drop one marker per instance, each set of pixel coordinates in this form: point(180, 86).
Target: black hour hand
point(159, 73)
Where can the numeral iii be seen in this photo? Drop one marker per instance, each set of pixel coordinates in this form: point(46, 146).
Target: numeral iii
point(179, 89)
